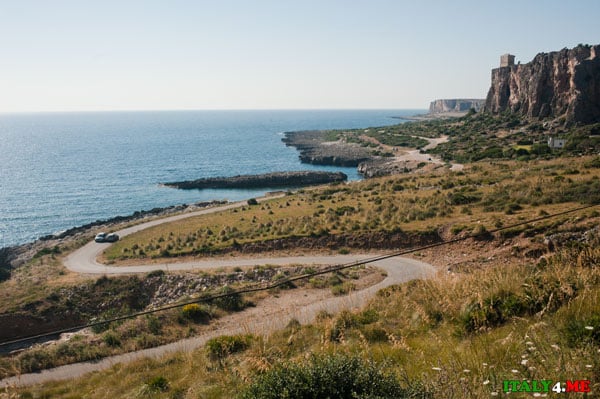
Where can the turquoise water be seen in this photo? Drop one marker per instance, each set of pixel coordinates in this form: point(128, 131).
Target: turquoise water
point(60, 170)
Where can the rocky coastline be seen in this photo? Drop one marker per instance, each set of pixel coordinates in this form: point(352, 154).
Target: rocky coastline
point(267, 180)
point(315, 149)
point(16, 255)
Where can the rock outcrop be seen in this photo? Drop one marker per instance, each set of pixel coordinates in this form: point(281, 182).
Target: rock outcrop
point(563, 83)
point(315, 149)
point(455, 105)
point(268, 180)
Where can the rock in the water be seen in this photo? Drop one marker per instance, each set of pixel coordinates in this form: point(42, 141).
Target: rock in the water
point(268, 180)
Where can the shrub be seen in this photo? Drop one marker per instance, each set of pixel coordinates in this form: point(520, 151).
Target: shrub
point(231, 301)
point(195, 312)
point(367, 316)
point(583, 331)
point(342, 289)
point(157, 384)
point(156, 273)
point(493, 311)
point(375, 334)
point(111, 339)
point(219, 348)
point(337, 376)
point(252, 201)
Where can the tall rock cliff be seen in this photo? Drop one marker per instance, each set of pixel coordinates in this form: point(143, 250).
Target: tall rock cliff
point(561, 83)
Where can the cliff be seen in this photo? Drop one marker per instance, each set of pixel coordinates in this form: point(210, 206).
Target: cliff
point(563, 83)
point(268, 180)
point(455, 105)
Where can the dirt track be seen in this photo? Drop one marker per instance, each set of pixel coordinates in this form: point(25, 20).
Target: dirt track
point(268, 317)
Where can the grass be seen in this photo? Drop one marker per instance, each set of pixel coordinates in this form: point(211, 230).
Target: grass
point(338, 215)
point(458, 335)
point(418, 330)
point(116, 296)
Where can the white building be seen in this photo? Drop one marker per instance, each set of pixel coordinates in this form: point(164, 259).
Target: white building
point(553, 142)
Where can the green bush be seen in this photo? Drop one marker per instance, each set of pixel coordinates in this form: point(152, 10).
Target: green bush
point(583, 331)
point(493, 311)
point(219, 348)
point(342, 289)
point(337, 376)
point(111, 339)
point(195, 312)
point(252, 201)
point(367, 316)
point(157, 384)
point(375, 334)
point(231, 301)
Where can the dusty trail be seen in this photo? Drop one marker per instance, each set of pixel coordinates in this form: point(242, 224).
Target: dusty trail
point(269, 316)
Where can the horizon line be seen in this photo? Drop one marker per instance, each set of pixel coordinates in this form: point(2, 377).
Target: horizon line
point(206, 109)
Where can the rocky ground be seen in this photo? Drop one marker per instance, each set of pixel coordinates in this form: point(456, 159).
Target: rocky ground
point(315, 149)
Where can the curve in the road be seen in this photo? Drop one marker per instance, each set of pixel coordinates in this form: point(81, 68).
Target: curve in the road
point(258, 320)
point(262, 319)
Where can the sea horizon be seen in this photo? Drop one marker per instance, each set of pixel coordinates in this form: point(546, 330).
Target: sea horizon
point(71, 168)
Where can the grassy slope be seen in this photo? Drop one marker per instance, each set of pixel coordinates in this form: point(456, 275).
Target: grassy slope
point(458, 335)
point(423, 329)
point(489, 194)
point(479, 320)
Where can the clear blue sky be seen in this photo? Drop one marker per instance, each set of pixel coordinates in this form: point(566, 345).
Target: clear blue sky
point(58, 55)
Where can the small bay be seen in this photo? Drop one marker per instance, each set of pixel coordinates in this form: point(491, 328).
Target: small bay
point(60, 170)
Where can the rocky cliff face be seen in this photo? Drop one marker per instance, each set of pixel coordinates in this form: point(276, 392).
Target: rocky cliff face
point(563, 83)
point(455, 105)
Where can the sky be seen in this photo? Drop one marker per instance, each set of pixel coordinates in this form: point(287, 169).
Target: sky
point(100, 55)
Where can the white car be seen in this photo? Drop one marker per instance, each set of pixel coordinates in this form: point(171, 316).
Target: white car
point(112, 237)
point(103, 237)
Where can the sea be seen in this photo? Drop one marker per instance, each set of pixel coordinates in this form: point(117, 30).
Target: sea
point(61, 170)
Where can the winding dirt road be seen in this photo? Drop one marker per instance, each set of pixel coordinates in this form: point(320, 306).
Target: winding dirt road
point(269, 316)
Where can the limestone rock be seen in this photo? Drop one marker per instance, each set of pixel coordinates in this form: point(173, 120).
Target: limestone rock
point(563, 83)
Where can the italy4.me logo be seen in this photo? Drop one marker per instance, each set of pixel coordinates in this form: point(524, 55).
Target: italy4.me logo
point(546, 386)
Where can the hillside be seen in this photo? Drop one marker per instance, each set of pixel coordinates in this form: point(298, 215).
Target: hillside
point(475, 315)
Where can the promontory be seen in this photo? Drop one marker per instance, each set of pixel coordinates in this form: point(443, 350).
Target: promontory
point(267, 180)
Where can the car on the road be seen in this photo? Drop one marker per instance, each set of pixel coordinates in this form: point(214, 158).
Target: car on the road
point(112, 237)
point(103, 237)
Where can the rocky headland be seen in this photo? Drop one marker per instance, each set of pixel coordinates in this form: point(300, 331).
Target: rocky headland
point(560, 84)
point(267, 180)
point(455, 105)
point(315, 149)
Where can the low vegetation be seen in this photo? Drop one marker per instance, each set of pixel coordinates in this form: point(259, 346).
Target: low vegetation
point(517, 304)
point(458, 335)
point(107, 298)
point(344, 217)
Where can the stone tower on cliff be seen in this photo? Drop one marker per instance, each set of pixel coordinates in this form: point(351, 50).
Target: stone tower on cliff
point(560, 84)
point(507, 60)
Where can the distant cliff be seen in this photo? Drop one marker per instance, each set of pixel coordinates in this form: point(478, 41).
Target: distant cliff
point(455, 105)
point(563, 83)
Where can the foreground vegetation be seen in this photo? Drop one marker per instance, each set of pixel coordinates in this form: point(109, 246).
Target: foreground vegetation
point(107, 298)
point(455, 336)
